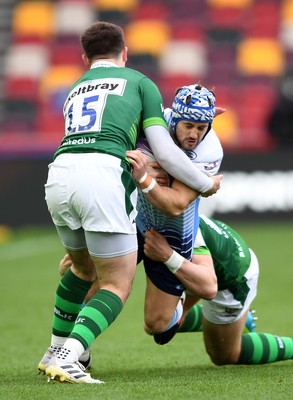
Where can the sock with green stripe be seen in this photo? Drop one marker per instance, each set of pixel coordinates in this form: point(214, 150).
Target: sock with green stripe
point(96, 317)
point(193, 320)
point(70, 295)
point(264, 348)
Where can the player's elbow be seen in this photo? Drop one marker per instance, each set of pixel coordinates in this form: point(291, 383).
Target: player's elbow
point(175, 209)
point(174, 212)
point(210, 290)
point(210, 293)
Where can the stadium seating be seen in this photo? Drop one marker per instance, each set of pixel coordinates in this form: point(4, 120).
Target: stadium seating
point(66, 12)
point(286, 10)
point(33, 19)
point(147, 36)
point(230, 3)
point(146, 39)
point(183, 57)
point(227, 128)
point(264, 21)
point(239, 47)
point(123, 6)
point(57, 81)
point(260, 56)
point(255, 102)
point(30, 60)
point(169, 83)
point(115, 11)
point(286, 25)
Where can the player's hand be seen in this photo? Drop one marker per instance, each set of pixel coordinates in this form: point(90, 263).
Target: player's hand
point(158, 173)
point(64, 264)
point(156, 246)
point(216, 186)
point(138, 162)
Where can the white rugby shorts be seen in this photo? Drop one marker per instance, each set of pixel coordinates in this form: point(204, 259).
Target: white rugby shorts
point(224, 309)
point(86, 190)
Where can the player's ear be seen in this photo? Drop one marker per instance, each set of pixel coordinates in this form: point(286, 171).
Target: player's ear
point(125, 54)
point(85, 60)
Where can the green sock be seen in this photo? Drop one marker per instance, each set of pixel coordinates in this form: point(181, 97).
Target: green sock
point(193, 320)
point(69, 297)
point(263, 348)
point(96, 316)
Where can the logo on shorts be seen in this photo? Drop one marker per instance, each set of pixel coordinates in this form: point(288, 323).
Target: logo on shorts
point(229, 310)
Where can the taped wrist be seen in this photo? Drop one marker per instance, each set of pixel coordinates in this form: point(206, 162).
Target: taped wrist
point(146, 183)
point(174, 262)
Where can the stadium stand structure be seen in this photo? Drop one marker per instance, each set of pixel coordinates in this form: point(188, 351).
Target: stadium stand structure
point(240, 49)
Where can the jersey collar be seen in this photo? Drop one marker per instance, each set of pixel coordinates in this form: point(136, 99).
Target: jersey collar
point(105, 64)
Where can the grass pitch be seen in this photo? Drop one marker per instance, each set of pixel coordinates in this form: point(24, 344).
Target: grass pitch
point(129, 361)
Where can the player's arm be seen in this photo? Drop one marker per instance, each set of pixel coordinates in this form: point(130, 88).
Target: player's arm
point(198, 276)
point(172, 200)
point(176, 163)
point(169, 200)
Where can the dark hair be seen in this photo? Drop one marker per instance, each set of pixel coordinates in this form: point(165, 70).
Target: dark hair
point(102, 40)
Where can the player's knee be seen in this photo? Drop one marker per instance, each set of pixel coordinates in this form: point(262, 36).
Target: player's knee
point(156, 323)
point(224, 359)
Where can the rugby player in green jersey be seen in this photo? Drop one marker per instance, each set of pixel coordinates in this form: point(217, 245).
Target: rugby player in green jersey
point(223, 254)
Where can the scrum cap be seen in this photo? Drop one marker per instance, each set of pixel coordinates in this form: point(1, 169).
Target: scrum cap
point(193, 103)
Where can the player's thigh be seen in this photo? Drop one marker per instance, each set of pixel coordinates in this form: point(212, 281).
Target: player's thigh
point(114, 256)
point(116, 274)
point(223, 341)
point(75, 244)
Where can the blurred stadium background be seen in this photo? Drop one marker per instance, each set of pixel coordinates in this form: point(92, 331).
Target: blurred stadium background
point(241, 48)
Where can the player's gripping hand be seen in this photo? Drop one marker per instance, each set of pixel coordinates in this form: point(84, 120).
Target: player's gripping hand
point(138, 162)
point(158, 173)
point(156, 246)
point(216, 186)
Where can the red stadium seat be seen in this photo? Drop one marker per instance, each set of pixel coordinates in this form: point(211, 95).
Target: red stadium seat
point(64, 52)
point(150, 10)
point(169, 83)
point(255, 102)
point(21, 88)
point(264, 20)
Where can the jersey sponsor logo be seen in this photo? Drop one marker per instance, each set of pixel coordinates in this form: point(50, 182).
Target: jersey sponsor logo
point(85, 105)
point(80, 141)
point(103, 86)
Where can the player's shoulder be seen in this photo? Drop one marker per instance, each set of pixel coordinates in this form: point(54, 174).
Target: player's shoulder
point(138, 76)
point(210, 148)
point(212, 137)
point(133, 72)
